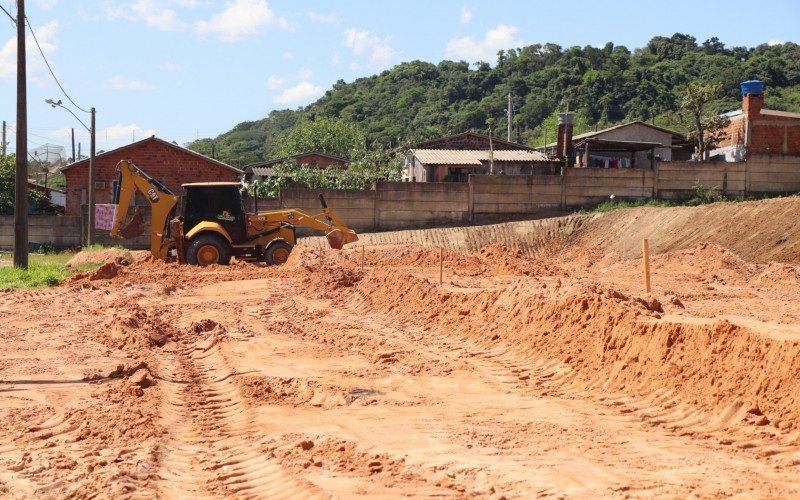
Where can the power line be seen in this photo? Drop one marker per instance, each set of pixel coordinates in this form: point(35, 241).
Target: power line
point(9, 15)
point(49, 68)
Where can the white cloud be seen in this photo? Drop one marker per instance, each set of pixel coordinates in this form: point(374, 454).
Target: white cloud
point(120, 83)
point(303, 92)
point(240, 19)
point(324, 18)
point(469, 49)
point(46, 4)
point(335, 59)
point(155, 15)
point(276, 82)
point(123, 133)
point(287, 55)
point(772, 43)
point(36, 69)
point(378, 51)
point(466, 15)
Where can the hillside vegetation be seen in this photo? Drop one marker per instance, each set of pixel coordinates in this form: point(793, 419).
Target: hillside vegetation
point(418, 100)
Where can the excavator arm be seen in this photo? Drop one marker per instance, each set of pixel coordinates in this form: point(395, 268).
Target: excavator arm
point(336, 230)
point(161, 199)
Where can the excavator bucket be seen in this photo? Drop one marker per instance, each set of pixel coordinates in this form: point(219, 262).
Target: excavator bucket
point(338, 238)
point(135, 227)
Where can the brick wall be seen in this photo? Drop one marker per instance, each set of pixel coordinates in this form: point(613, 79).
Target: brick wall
point(165, 162)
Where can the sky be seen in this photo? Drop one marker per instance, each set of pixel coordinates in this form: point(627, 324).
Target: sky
point(188, 69)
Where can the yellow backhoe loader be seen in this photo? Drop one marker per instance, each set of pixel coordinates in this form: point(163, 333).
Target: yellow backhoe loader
point(214, 226)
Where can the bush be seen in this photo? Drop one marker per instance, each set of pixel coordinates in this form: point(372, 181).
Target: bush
point(704, 194)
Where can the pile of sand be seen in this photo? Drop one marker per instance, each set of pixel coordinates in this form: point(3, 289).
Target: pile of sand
point(611, 340)
point(106, 255)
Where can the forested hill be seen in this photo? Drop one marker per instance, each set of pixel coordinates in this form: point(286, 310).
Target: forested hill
point(419, 100)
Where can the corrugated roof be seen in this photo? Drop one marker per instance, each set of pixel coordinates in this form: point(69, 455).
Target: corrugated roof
point(474, 157)
point(586, 135)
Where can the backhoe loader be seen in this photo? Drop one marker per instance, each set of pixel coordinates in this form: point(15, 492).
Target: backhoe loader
point(214, 226)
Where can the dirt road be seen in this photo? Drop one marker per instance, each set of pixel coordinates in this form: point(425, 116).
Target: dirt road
point(520, 376)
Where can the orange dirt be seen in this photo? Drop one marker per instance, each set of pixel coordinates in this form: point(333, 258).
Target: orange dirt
point(537, 371)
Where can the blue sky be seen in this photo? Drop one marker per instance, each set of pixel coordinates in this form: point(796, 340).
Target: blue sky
point(187, 69)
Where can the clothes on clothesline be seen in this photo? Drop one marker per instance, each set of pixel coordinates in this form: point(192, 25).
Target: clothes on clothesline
point(609, 162)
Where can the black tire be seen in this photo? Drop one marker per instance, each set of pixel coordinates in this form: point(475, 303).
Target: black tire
point(208, 248)
point(277, 253)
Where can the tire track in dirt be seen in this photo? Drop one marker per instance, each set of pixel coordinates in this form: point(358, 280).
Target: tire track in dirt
point(517, 372)
point(213, 448)
point(657, 407)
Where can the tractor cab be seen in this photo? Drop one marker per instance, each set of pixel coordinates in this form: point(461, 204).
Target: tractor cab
point(217, 202)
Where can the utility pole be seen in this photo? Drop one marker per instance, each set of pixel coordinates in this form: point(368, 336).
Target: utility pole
point(4, 138)
point(490, 122)
point(90, 235)
point(73, 145)
point(79, 152)
point(21, 178)
point(510, 116)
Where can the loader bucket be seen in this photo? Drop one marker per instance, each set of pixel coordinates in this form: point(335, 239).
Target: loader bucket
point(135, 227)
point(338, 238)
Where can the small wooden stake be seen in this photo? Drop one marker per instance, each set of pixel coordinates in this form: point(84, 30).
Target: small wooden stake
point(646, 264)
point(362, 257)
point(441, 264)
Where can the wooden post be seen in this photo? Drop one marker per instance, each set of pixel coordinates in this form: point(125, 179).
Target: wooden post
point(646, 264)
point(362, 257)
point(441, 264)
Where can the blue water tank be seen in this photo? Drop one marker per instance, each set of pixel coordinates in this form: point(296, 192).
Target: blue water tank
point(752, 87)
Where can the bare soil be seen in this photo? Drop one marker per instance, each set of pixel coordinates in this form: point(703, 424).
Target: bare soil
point(539, 367)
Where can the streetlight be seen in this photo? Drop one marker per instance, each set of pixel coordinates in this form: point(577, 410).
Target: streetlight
point(91, 130)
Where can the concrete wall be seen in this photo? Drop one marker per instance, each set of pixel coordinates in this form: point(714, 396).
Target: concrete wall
point(59, 231)
point(403, 205)
point(588, 186)
point(354, 206)
point(420, 204)
point(518, 194)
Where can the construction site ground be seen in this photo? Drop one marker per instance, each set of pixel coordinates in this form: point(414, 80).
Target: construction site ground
point(539, 367)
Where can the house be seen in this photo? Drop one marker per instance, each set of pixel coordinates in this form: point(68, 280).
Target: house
point(453, 158)
point(55, 197)
point(756, 130)
point(635, 144)
point(262, 170)
point(166, 162)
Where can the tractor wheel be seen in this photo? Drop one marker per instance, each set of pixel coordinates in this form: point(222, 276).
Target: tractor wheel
point(207, 249)
point(277, 253)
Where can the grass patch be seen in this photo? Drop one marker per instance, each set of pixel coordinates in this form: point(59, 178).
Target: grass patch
point(97, 247)
point(38, 274)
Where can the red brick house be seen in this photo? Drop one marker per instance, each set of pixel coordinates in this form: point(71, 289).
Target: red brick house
point(756, 130)
point(162, 160)
point(317, 159)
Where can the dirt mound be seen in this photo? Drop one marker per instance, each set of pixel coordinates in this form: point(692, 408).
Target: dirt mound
point(135, 329)
point(600, 333)
point(502, 259)
point(290, 391)
point(780, 275)
point(757, 231)
point(106, 255)
point(710, 261)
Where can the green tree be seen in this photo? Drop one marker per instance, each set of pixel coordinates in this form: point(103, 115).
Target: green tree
point(416, 100)
point(334, 137)
point(8, 168)
point(707, 127)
